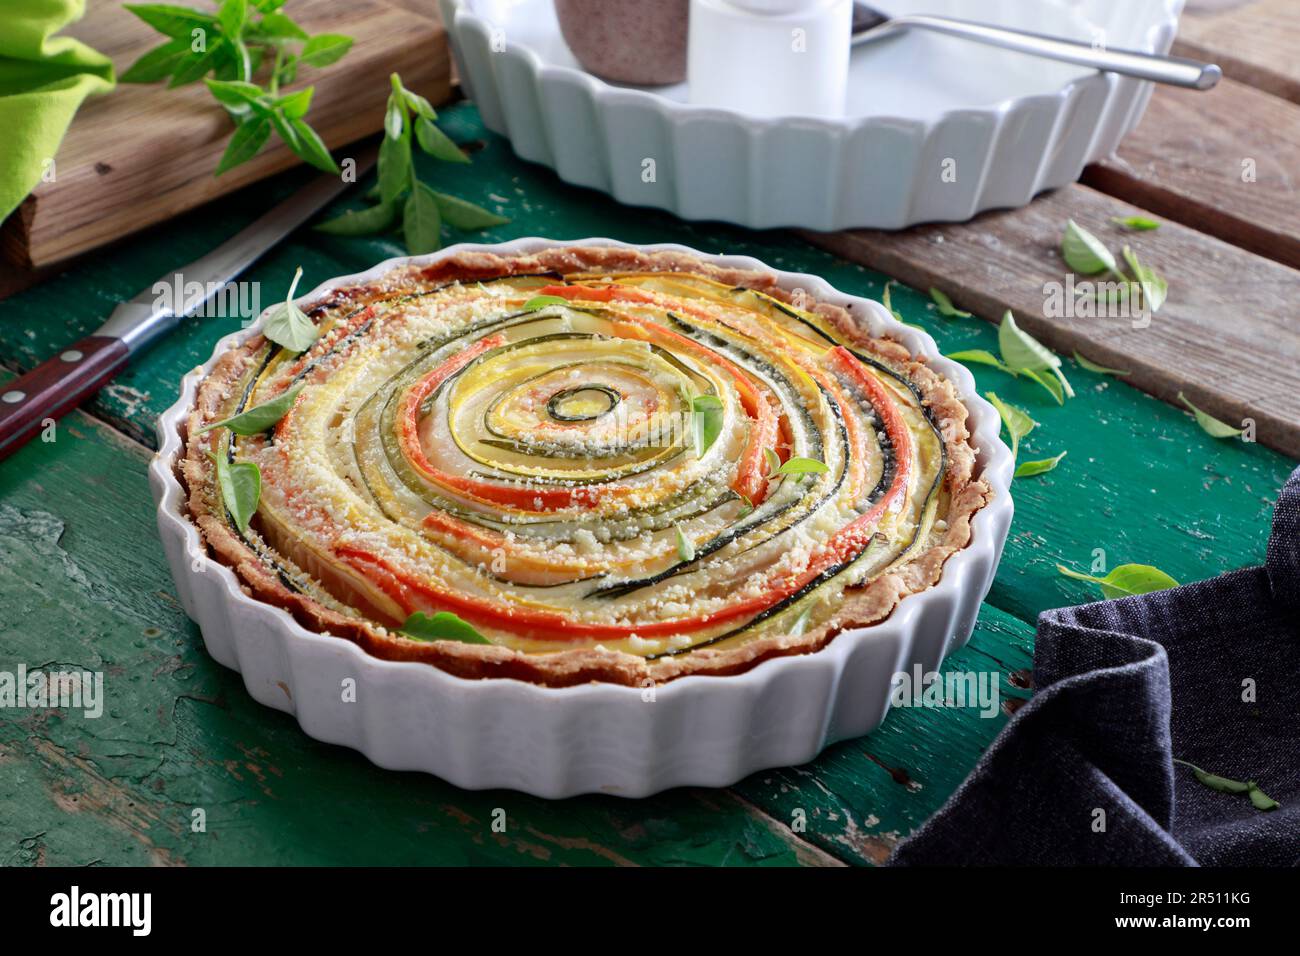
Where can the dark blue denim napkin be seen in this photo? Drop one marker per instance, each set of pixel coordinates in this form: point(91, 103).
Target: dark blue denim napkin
point(1122, 688)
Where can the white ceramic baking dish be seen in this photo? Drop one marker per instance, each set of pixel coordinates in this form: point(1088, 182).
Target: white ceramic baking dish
point(556, 742)
point(936, 128)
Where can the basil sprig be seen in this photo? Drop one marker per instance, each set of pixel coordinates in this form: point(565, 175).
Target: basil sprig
point(403, 197)
point(1260, 799)
point(1022, 354)
point(1086, 254)
point(1125, 580)
point(1027, 355)
point(443, 626)
point(228, 49)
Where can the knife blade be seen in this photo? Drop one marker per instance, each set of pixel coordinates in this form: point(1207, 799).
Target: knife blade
point(60, 384)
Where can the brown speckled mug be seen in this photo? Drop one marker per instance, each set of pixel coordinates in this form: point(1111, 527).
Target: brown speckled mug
point(627, 41)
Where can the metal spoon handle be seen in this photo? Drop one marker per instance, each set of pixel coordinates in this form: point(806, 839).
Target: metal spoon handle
point(1173, 70)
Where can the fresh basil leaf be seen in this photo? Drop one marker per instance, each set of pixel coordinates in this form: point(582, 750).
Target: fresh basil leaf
point(250, 136)
point(800, 466)
point(1015, 419)
point(1209, 424)
point(288, 326)
point(1137, 223)
point(279, 26)
point(945, 305)
point(311, 148)
point(1025, 353)
point(1260, 799)
point(394, 168)
point(1126, 580)
point(239, 97)
point(325, 48)
point(285, 130)
point(232, 15)
point(295, 105)
point(421, 224)
point(255, 420)
point(706, 419)
point(194, 66)
point(437, 143)
point(1048, 382)
point(241, 488)
point(172, 20)
point(465, 215)
point(542, 301)
point(1021, 350)
point(1085, 253)
point(747, 505)
point(1029, 469)
point(685, 546)
point(982, 357)
point(1099, 369)
point(443, 626)
point(1154, 288)
point(157, 63)
point(363, 222)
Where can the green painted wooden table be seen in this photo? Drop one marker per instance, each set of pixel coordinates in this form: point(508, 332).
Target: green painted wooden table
point(83, 584)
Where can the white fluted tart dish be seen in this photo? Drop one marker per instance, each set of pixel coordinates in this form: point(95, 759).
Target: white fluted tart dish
point(573, 517)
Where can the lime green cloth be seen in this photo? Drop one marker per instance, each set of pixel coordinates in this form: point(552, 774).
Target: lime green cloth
point(43, 80)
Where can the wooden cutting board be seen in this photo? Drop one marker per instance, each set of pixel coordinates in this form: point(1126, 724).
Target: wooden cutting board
point(143, 154)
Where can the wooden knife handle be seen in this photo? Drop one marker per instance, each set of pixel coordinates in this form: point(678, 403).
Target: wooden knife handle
point(55, 387)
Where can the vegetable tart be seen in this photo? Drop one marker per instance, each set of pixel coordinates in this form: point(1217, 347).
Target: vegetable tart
point(582, 464)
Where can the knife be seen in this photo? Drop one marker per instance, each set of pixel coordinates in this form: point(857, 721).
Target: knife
point(60, 384)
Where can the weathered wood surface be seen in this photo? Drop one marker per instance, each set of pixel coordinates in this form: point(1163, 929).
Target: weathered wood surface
point(1225, 162)
point(1226, 337)
point(143, 153)
point(1255, 42)
point(1141, 482)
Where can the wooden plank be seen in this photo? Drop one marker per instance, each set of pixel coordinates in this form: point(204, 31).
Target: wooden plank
point(1225, 162)
point(1226, 336)
point(179, 733)
point(1255, 43)
point(143, 153)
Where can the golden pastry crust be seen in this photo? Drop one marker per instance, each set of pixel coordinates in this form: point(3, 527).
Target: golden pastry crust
point(861, 606)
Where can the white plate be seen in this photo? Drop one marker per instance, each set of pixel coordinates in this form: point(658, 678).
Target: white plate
point(1009, 124)
point(557, 742)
